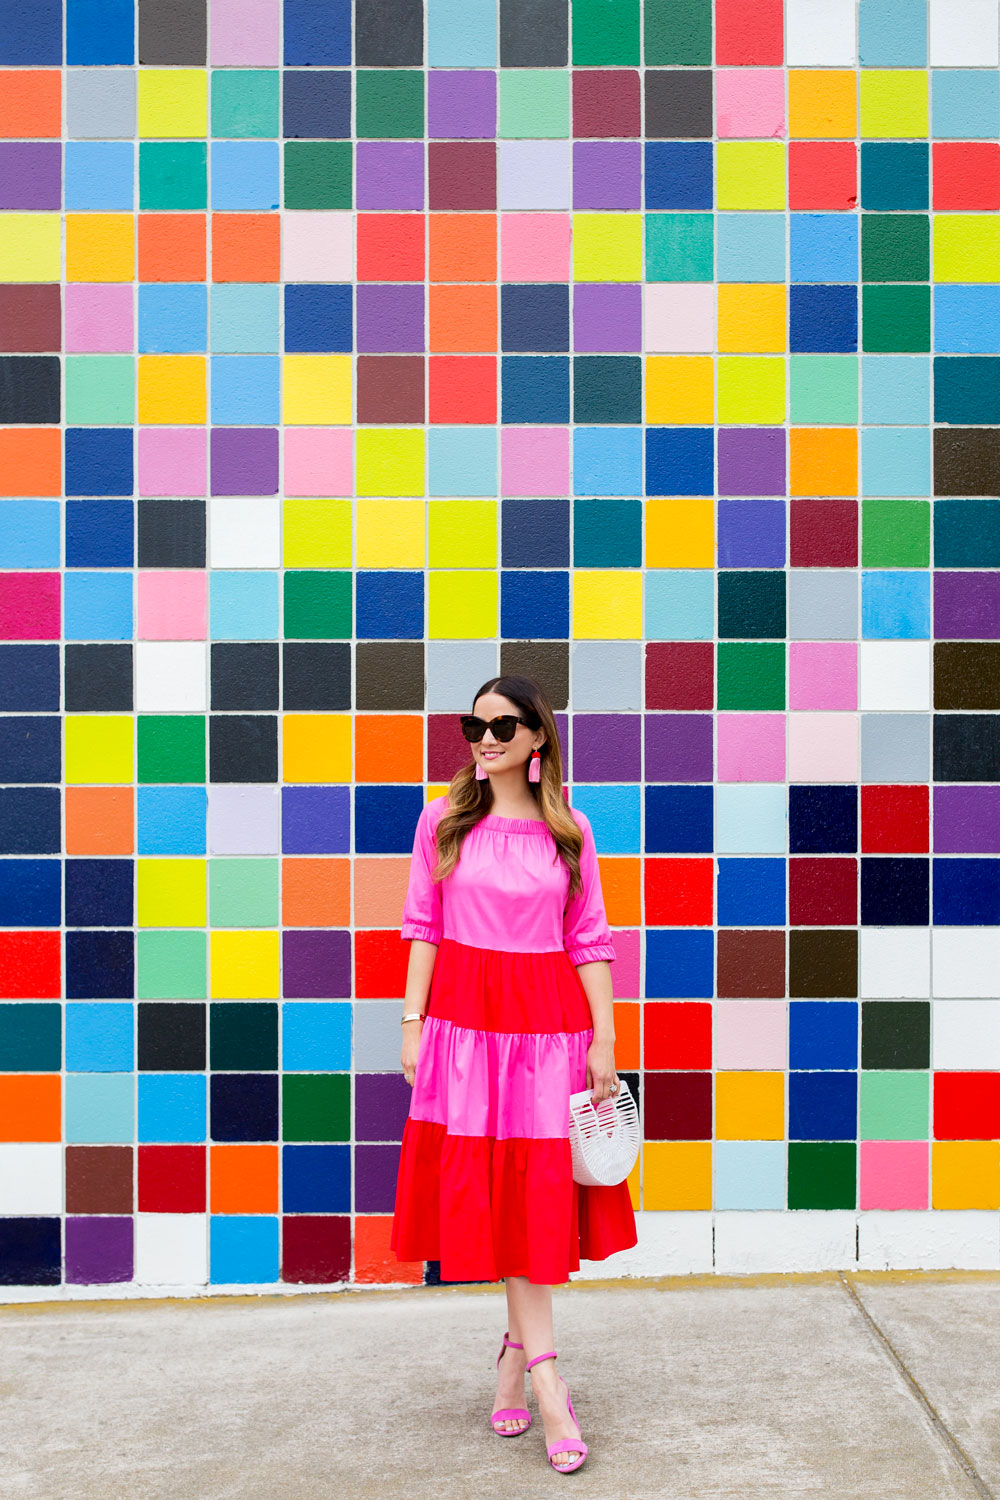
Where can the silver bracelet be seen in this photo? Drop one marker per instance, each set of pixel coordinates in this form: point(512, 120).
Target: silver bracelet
point(414, 1015)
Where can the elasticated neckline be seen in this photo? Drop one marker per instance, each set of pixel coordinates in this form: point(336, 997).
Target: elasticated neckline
point(512, 825)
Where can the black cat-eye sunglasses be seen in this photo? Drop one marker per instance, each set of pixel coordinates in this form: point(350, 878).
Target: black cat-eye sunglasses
point(504, 727)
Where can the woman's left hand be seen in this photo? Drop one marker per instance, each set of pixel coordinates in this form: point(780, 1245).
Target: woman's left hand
point(601, 1071)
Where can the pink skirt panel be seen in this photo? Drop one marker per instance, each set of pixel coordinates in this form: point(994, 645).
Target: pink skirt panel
point(504, 1084)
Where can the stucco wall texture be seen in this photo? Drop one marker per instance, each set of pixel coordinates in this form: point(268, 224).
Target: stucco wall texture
point(350, 356)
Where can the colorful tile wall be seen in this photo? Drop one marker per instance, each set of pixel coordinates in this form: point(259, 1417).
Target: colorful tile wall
point(351, 355)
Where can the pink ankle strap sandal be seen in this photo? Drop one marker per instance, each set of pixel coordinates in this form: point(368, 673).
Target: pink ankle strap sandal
point(563, 1445)
point(512, 1413)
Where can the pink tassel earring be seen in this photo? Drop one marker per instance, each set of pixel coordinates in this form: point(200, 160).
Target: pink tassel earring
point(535, 767)
point(481, 772)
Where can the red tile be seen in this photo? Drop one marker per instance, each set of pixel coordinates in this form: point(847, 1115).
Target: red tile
point(606, 103)
point(966, 1106)
point(895, 819)
point(172, 1179)
point(822, 892)
point(677, 1034)
point(677, 1106)
point(966, 175)
point(680, 674)
point(315, 1248)
point(749, 35)
point(679, 892)
point(822, 174)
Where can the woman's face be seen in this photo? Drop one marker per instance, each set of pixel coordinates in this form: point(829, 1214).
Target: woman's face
point(510, 757)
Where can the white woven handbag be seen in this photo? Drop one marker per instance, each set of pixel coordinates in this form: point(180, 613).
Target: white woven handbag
point(604, 1138)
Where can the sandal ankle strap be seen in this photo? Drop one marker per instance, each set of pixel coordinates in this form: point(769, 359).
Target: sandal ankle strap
point(539, 1357)
point(510, 1344)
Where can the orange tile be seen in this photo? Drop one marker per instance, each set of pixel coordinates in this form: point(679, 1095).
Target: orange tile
point(244, 1179)
point(823, 460)
point(30, 461)
point(374, 1261)
point(31, 103)
point(379, 891)
point(172, 247)
point(621, 883)
point(30, 1107)
point(463, 247)
point(389, 747)
point(99, 820)
point(626, 1034)
point(246, 247)
point(316, 893)
point(463, 319)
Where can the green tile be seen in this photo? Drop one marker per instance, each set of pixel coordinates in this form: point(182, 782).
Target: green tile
point(605, 33)
point(243, 892)
point(895, 1106)
point(317, 606)
point(171, 747)
point(170, 966)
point(534, 103)
point(100, 389)
point(680, 247)
point(173, 175)
point(822, 1174)
point(823, 389)
point(246, 103)
point(751, 675)
point(895, 247)
point(895, 1034)
point(390, 104)
point(895, 533)
point(30, 1037)
point(895, 319)
point(316, 1107)
point(243, 1035)
point(678, 33)
point(318, 174)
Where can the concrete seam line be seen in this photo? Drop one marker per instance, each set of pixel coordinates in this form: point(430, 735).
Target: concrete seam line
point(942, 1431)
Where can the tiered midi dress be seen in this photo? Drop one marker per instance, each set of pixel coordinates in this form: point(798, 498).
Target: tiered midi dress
point(485, 1182)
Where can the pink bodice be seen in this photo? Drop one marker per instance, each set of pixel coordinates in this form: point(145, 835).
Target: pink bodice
point(508, 891)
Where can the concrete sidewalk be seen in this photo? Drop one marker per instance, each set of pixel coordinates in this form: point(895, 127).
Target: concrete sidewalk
point(861, 1387)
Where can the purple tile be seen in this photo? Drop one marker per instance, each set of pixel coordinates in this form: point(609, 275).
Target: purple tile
point(315, 819)
point(30, 174)
point(381, 1105)
point(679, 747)
point(375, 1171)
point(607, 318)
point(390, 174)
point(606, 747)
point(967, 819)
point(967, 606)
point(98, 1250)
point(607, 174)
point(390, 319)
point(315, 965)
point(244, 460)
point(462, 106)
point(751, 461)
point(751, 533)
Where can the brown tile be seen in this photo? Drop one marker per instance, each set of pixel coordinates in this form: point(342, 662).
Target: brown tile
point(751, 965)
point(98, 1179)
point(823, 964)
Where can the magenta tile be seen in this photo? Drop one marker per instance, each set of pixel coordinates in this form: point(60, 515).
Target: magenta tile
point(967, 606)
point(316, 965)
point(678, 747)
point(967, 819)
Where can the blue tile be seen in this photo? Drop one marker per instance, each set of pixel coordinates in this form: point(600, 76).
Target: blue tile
point(100, 1038)
point(679, 819)
point(244, 1249)
point(823, 1034)
point(679, 965)
point(316, 1179)
point(751, 892)
point(316, 1036)
point(172, 1107)
point(822, 1106)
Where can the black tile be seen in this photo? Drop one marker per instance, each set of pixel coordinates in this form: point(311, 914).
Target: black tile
point(678, 104)
point(171, 1037)
point(316, 675)
point(895, 1034)
point(171, 533)
point(966, 747)
point(99, 678)
point(29, 388)
point(244, 675)
point(243, 747)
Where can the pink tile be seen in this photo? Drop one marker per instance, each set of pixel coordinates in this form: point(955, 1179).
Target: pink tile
point(750, 747)
point(172, 605)
point(30, 607)
point(534, 247)
point(680, 319)
point(244, 33)
point(534, 461)
point(893, 1174)
point(99, 319)
point(749, 102)
point(823, 674)
point(822, 747)
point(319, 462)
point(172, 461)
point(751, 1034)
point(625, 969)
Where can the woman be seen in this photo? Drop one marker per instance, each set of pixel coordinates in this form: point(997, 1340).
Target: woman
point(508, 1011)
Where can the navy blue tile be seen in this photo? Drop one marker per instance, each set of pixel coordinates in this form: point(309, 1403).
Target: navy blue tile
point(99, 893)
point(244, 1106)
point(535, 388)
point(31, 36)
point(30, 749)
point(823, 1034)
point(389, 606)
point(534, 318)
point(679, 819)
point(100, 966)
point(535, 533)
point(823, 319)
point(822, 1106)
point(30, 1251)
point(534, 605)
point(823, 819)
point(30, 894)
point(99, 534)
point(895, 892)
point(316, 1179)
point(316, 105)
point(967, 892)
point(385, 818)
point(30, 820)
point(29, 679)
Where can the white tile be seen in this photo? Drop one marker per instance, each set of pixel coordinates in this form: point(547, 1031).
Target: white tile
point(171, 677)
point(680, 319)
point(670, 1244)
point(963, 34)
point(895, 963)
point(245, 533)
point(31, 1179)
point(317, 245)
point(803, 1240)
point(750, 819)
point(966, 961)
point(820, 33)
point(822, 747)
point(171, 1249)
point(533, 174)
point(928, 1240)
point(244, 820)
point(966, 1034)
point(894, 675)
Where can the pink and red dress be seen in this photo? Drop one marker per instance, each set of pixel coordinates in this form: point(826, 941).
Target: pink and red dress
point(485, 1182)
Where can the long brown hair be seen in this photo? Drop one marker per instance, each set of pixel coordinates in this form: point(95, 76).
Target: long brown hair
point(469, 799)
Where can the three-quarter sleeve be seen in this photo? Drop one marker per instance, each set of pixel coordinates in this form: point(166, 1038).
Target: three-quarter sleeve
point(586, 934)
point(422, 914)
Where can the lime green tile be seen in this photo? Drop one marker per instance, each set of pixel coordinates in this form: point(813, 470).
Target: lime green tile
point(895, 533)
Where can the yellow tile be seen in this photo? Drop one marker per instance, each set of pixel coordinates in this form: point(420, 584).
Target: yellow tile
point(317, 533)
point(172, 892)
point(677, 1175)
point(316, 389)
point(390, 461)
point(173, 102)
point(244, 965)
point(390, 533)
point(171, 388)
point(607, 604)
point(31, 247)
point(751, 318)
point(893, 103)
point(966, 247)
point(822, 106)
point(965, 1174)
point(462, 606)
point(680, 534)
point(316, 747)
point(750, 175)
point(750, 1106)
point(462, 534)
point(99, 749)
point(751, 390)
point(680, 389)
point(100, 247)
point(607, 247)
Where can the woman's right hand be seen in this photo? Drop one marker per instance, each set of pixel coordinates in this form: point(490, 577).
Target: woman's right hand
point(411, 1047)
